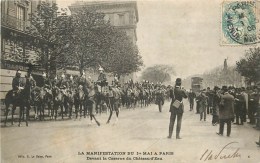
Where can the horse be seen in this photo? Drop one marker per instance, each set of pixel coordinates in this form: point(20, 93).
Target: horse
point(71, 100)
point(58, 101)
point(19, 98)
point(100, 100)
point(79, 101)
point(48, 99)
point(90, 103)
point(114, 103)
point(38, 95)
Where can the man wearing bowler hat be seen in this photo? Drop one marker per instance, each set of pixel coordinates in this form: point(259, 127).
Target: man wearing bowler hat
point(226, 111)
point(176, 108)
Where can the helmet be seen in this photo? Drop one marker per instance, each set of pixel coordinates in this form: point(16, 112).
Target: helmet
point(100, 68)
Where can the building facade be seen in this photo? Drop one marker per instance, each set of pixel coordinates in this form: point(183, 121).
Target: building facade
point(121, 14)
point(16, 49)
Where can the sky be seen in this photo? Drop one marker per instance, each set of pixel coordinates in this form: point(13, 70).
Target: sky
point(185, 34)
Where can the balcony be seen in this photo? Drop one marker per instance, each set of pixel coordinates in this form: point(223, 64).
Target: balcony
point(13, 22)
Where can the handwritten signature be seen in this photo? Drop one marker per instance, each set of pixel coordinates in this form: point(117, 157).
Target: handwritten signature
point(211, 155)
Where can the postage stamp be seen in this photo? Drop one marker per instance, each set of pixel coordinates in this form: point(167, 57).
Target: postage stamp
point(240, 23)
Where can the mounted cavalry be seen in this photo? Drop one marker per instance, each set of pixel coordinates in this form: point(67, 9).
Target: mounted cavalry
point(20, 96)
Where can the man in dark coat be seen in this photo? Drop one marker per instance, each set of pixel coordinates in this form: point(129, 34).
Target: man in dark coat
point(226, 111)
point(239, 107)
point(176, 95)
point(215, 106)
point(17, 83)
point(46, 82)
point(102, 79)
point(83, 82)
point(191, 96)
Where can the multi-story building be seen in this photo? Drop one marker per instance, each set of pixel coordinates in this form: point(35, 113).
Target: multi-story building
point(121, 14)
point(16, 50)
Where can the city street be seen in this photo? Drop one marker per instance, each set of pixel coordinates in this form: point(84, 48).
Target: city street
point(142, 131)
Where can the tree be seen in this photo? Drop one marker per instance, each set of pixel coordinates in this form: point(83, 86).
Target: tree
point(122, 57)
point(158, 73)
point(87, 37)
point(95, 42)
point(249, 66)
point(49, 29)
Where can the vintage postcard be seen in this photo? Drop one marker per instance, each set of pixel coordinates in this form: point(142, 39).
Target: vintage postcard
point(131, 81)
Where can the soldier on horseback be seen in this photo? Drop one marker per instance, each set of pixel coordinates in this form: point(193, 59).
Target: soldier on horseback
point(17, 83)
point(63, 85)
point(83, 82)
point(47, 85)
point(102, 79)
point(26, 95)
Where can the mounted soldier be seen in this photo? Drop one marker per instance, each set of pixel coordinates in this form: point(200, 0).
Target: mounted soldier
point(63, 85)
point(83, 82)
point(102, 79)
point(47, 85)
point(17, 83)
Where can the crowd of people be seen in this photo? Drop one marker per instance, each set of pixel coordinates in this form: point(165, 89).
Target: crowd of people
point(227, 104)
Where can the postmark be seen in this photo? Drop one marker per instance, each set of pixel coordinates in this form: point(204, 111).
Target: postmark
point(240, 23)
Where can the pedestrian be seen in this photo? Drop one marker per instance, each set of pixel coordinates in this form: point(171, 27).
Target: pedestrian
point(240, 106)
point(176, 108)
point(203, 103)
point(215, 106)
point(191, 97)
point(253, 99)
point(209, 94)
point(226, 111)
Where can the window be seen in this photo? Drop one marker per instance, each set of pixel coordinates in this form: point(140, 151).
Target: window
point(121, 19)
point(20, 15)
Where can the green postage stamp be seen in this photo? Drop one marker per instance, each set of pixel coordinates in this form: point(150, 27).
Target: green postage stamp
point(240, 22)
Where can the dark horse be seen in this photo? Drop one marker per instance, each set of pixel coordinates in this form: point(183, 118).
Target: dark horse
point(58, 101)
point(79, 101)
point(21, 99)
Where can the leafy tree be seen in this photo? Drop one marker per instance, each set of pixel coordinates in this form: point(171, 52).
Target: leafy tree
point(81, 41)
point(87, 35)
point(95, 42)
point(122, 57)
point(158, 73)
point(249, 66)
point(49, 29)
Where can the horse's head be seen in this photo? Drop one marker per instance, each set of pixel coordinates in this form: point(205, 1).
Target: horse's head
point(81, 94)
point(57, 93)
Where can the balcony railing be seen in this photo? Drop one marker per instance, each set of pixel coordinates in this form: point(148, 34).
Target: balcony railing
point(14, 22)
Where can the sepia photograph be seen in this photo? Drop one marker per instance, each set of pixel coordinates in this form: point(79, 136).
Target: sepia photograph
point(125, 81)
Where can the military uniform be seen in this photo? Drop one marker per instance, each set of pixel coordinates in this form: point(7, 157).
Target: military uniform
point(176, 94)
